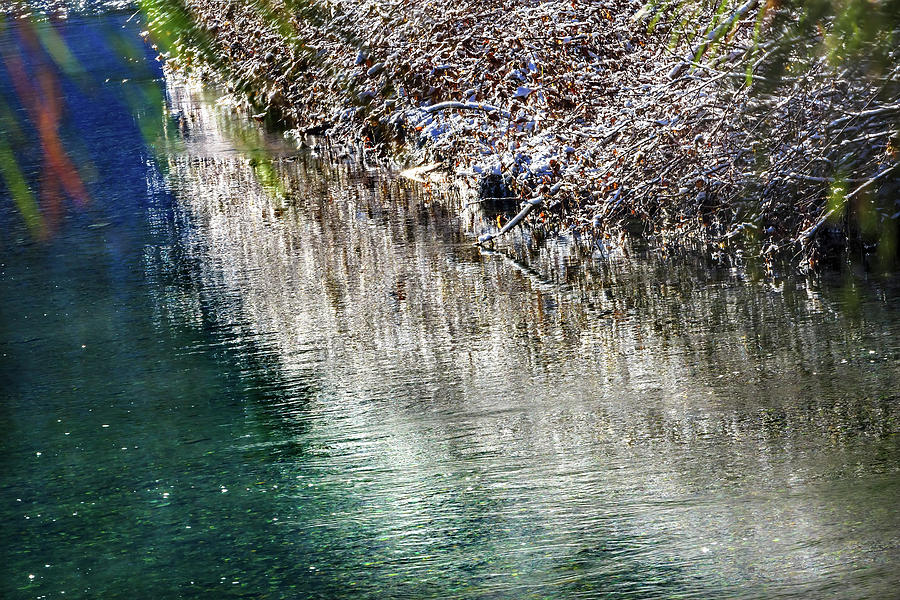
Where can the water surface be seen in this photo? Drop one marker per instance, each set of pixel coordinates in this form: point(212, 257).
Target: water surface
point(248, 370)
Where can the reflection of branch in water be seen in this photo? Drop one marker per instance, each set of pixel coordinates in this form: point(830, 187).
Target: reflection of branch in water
point(223, 133)
point(564, 290)
point(537, 279)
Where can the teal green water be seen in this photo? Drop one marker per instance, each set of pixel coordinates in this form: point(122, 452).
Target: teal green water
point(247, 371)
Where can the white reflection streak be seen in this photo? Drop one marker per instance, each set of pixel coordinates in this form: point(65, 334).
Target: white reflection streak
point(430, 360)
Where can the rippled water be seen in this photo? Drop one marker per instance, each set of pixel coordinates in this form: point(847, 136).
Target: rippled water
point(64, 8)
point(249, 371)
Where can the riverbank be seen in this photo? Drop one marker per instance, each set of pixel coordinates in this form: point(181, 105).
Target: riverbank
point(594, 112)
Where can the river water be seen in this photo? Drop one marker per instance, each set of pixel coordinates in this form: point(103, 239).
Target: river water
point(240, 369)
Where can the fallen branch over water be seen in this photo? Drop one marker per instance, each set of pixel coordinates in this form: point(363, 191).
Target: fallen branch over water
point(530, 205)
point(467, 106)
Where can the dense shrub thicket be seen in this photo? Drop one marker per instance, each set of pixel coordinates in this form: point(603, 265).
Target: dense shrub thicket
point(755, 128)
